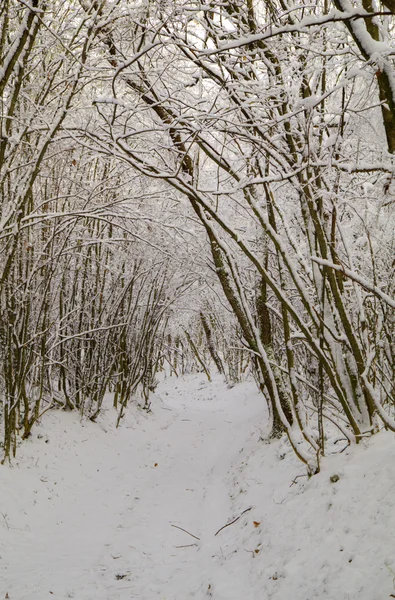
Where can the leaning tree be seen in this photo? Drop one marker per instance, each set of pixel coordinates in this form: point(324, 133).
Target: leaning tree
point(275, 123)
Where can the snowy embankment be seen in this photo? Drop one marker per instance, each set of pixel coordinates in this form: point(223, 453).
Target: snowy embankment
point(90, 513)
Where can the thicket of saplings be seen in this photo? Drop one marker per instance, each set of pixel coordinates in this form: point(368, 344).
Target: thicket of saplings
point(277, 124)
point(285, 159)
point(82, 317)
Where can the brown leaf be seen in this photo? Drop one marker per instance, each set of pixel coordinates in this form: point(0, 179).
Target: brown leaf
point(256, 523)
point(156, 464)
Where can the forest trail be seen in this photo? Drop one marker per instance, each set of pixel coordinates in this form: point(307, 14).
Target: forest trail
point(97, 517)
point(92, 513)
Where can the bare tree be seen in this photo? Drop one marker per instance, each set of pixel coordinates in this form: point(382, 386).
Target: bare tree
point(254, 138)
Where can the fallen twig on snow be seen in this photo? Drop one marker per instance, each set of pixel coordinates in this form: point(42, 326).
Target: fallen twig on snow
point(187, 546)
point(296, 478)
point(234, 521)
point(5, 520)
point(191, 534)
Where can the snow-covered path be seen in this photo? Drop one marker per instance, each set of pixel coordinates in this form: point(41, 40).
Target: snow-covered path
point(185, 489)
point(90, 513)
point(93, 512)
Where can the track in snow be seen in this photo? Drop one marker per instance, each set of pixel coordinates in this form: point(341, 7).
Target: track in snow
point(89, 510)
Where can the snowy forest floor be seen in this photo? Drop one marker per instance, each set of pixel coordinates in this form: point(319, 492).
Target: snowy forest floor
point(90, 513)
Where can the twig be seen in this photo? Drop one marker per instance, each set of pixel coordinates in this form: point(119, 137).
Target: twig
point(234, 521)
point(187, 546)
point(191, 534)
point(296, 478)
point(281, 501)
point(345, 447)
point(5, 520)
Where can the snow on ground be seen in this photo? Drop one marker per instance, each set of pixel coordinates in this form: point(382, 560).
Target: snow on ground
point(90, 513)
